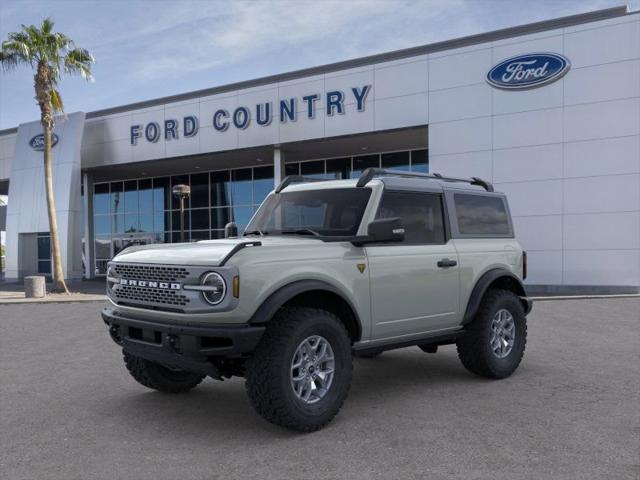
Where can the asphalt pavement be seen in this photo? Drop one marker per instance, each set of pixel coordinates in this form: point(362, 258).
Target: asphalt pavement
point(69, 410)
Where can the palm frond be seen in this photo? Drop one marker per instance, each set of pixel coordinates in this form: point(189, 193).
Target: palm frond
point(18, 45)
point(9, 61)
point(47, 26)
point(56, 101)
point(79, 61)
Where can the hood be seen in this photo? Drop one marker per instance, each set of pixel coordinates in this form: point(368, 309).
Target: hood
point(205, 253)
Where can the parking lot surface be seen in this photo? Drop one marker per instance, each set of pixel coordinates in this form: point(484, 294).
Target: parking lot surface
point(69, 410)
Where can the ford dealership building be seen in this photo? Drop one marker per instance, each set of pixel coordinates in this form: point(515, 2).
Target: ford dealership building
point(549, 112)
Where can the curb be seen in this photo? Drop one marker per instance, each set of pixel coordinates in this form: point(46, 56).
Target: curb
point(84, 299)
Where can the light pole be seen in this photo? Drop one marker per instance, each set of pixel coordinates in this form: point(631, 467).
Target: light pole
point(182, 192)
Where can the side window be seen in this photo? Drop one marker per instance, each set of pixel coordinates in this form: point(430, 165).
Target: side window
point(481, 215)
point(421, 215)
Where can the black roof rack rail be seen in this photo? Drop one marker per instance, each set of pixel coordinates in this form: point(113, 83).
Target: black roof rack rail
point(372, 172)
point(298, 179)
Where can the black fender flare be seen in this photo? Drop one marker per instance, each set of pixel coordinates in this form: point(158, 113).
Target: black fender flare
point(483, 284)
point(277, 299)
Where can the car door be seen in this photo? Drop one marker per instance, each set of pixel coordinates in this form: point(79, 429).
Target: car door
point(415, 283)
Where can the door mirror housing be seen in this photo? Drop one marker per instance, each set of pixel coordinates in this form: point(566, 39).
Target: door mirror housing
point(385, 230)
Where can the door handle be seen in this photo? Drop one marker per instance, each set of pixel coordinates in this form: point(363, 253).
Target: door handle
point(446, 263)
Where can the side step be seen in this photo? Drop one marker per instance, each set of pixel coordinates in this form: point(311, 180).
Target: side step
point(427, 344)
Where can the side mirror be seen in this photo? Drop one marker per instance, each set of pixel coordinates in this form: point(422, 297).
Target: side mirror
point(385, 230)
point(230, 230)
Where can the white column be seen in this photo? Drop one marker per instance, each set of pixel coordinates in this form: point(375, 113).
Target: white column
point(89, 254)
point(278, 166)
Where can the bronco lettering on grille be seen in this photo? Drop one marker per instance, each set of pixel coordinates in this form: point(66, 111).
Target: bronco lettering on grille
point(150, 284)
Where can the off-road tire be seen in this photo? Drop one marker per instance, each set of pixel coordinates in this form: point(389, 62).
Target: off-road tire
point(268, 381)
point(155, 376)
point(474, 350)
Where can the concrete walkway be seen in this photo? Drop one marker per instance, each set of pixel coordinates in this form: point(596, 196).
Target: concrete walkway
point(81, 291)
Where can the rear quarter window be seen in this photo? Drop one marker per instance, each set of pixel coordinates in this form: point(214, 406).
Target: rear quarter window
point(481, 215)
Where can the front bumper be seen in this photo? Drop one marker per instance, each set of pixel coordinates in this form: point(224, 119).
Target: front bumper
point(186, 347)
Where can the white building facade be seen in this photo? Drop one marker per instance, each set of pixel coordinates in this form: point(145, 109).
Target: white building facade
point(548, 112)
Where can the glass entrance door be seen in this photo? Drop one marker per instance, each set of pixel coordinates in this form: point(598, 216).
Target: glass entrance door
point(119, 243)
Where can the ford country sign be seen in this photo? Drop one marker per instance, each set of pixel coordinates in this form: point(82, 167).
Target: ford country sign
point(528, 71)
point(37, 142)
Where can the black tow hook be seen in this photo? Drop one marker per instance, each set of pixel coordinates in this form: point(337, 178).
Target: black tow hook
point(114, 331)
point(172, 342)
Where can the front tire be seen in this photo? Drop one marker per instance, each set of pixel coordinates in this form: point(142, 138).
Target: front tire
point(157, 377)
point(300, 373)
point(495, 340)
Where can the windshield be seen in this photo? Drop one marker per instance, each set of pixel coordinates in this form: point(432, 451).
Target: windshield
point(323, 212)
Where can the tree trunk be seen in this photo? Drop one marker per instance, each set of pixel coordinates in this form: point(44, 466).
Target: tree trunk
point(59, 284)
point(43, 86)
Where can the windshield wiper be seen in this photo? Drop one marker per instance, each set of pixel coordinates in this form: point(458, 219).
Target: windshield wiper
point(255, 232)
point(301, 231)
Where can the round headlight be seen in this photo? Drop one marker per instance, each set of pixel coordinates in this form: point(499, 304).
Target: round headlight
point(216, 288)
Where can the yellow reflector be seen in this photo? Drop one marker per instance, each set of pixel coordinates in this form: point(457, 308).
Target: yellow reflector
point(236, 286)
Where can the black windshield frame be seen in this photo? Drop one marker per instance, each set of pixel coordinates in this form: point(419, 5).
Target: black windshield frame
point(325, 212)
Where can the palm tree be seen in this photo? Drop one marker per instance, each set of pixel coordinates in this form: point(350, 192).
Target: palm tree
point(50, 55)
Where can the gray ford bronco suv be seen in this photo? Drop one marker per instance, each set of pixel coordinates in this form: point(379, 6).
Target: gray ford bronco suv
point(325, 270)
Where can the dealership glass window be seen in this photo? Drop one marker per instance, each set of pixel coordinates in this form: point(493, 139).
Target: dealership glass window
point(161, 194)
point(241, 189)
point(196, 235)
point(131, 223)
point(117, 223)
point(420, 161)
point(396, 161)
point(241, 216)
point(175, 236)
point(145, 222)
point(145, 195)
point(44, 253)
point(339, 168)
point(144, 211)
point(360, 164)
point(117, 191)
point(161, 221)
point(314, 169)
point(220, 189)
point(481, 215)
point(292, 169)
point(101, 198)
point(220, 217)
point(175, 220)
point(200, 219)
point(131, 196)
point(102, 224)
point(262, 183)
point(200, 190)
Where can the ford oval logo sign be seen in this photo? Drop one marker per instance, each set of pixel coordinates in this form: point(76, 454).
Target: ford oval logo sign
point(37, 142)
point(528, 71)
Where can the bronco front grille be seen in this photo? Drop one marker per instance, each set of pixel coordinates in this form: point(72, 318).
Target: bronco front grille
point(132, 294)
point(154, 273)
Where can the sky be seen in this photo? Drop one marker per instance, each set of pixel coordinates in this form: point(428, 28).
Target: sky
point(150, 49)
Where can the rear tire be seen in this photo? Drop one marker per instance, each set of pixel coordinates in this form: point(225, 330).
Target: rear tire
point(157, 377)
point(317, 341)
point(495, 340)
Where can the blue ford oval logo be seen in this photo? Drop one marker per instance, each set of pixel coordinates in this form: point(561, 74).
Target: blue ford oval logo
point(37, 142)
point(528, 71)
